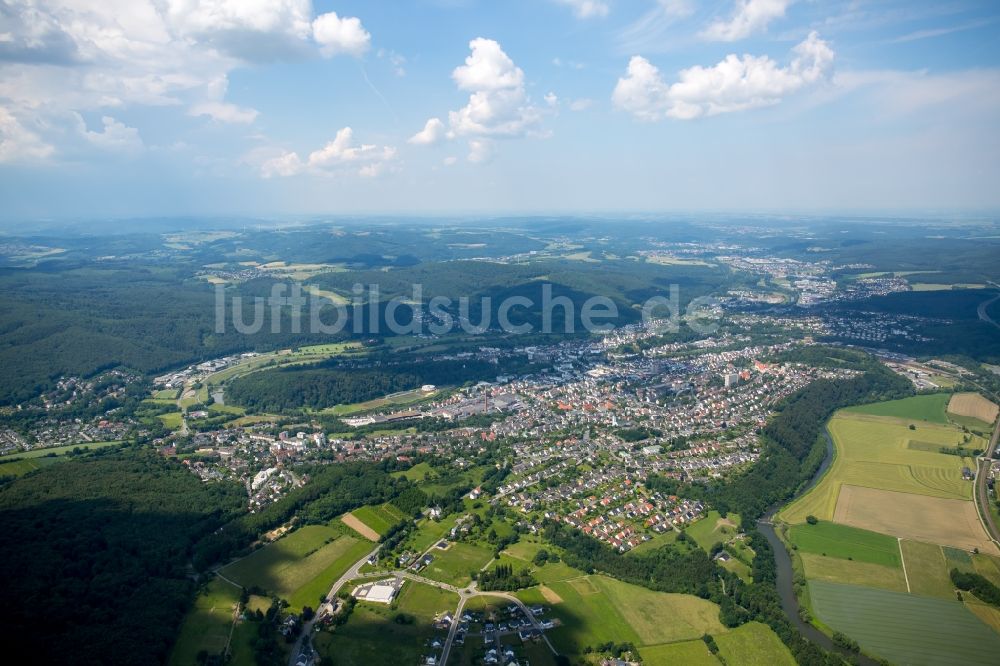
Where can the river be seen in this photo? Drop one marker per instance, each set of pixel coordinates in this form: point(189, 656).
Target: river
point(783, 562)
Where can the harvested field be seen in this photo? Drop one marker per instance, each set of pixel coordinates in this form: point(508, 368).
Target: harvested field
point(927, 569)
point(550, 595)
point(974, 405)
point(351, 521)
point(917, 517)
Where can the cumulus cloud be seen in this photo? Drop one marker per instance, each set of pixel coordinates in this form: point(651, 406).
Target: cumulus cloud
point(340, 35)
point(19, 144)
point(337, 156)
point(116, 137)
point(585, 9)
point(498, 104)
point(749, 16)
point(734, 84)
point(432, 132)
point(58, 57)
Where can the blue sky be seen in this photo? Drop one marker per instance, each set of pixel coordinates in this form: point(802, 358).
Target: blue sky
point(137, 108)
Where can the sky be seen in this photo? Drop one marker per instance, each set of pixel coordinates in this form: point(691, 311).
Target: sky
point(141, 108)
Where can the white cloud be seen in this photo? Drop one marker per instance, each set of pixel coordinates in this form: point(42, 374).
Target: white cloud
point(337, 156)
point(749, 16)
point(734, 84)
point(498, 105)
point(551, 99)
point(450, 160)
point(337, 35)
point(581, 104)
point(432, 132)
point(224, 112)
point(585, 9)
point(116, 137)
point(19, 144)
point(58, 57)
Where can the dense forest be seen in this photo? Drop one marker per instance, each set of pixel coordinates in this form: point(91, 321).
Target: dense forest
point(318, 386)
point(97, 551)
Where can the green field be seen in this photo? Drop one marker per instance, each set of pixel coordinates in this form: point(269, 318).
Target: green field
point(833, 540)
point(596, 609)
point(207, 624)
point(836, 570)
point(372, 638)
point(689, 653)
point(22, 467)
point(654, 543)
point(416, 473)
point(56, 451)
point(930, 408)
point(927, 569)
point(455, 565)
point(875, 452)
point(713, 529)
point(753, 644)
point(301, 566)
point(380, 518)
point(905, 628)
point(522, 554)
point(172, 421)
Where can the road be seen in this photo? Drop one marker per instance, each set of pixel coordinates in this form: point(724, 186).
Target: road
point(982, 492)
point(983, 314)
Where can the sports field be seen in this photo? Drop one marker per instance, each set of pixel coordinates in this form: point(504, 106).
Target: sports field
point(841, 541)
point(905, 628)
point(301, 566)
point(875, 452)
point(929, 408)
point(920, 518)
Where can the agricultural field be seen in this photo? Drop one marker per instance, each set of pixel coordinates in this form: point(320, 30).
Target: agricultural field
point(876, 452)
point(927, 569)
point(693, 653)
point(713, 529)
point(974, 406)
point(301, 566)
point(836, 570)
point(208, 624)
point(949, 522)
point(753, 644)
point(905, 628)
point(929, 408)
point(371, 637)
point(455, 565)
point(378, 518)
point(841, 541)
point(21, 467)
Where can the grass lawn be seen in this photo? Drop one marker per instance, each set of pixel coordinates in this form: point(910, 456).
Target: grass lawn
point(415, 473)
point(207, 625)
point(429, 532)
point(833, 540)
point(836, 570)
point(301, 566)
point(905, 628)
point(453, 566)
point(753, 644)
point(522, 554)
point(927, 569)
point(380, 518)
point(171, 420)
point(22, 467)
point(930, 408)
point(875, 452)
point(713, 529)
point(659, 540)
point(426, 601)
point(690, 653)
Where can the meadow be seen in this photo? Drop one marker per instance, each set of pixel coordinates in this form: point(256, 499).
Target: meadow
point(929, 408)
point(301, 566)
point(753, 644)
point(455, 565)
point(208, 624)
point(371, 637)
point(927, 569)
point(905, 628)
point(841, 541)
point(56, 451)
point(713, 529)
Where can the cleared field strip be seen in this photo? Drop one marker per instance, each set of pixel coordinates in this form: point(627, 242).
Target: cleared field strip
point(351, 521)
point(905, 628)
point(920, 518)
point(973, 405)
